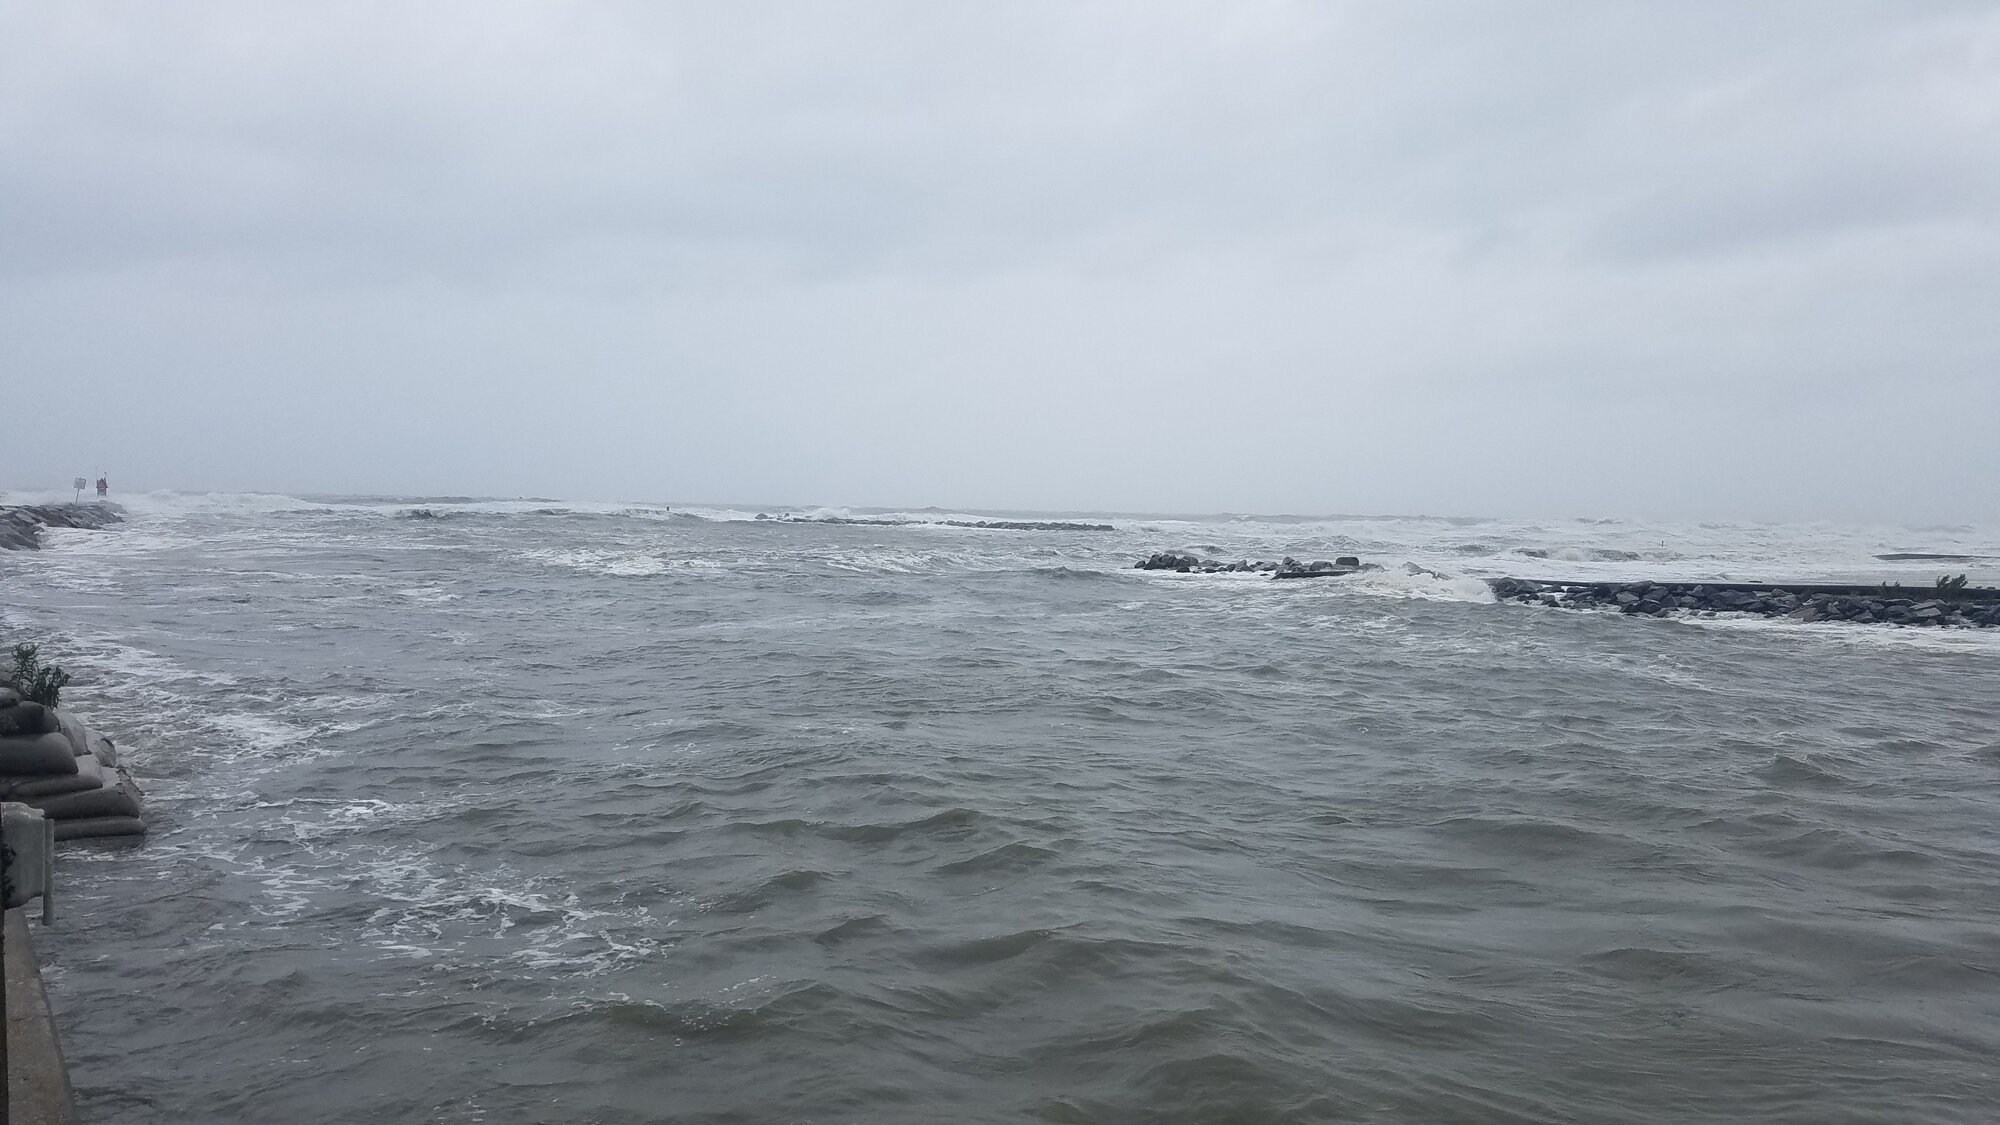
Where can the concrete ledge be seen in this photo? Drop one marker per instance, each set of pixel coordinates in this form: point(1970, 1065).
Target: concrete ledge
point(38, 1091)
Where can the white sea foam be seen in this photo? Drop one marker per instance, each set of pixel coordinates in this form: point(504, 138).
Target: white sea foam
point(886, 560)
point(621, 564)
point(429, 595)
point(1854, 634)
point(60, 545)
point(113, 656)
point(1426, 585)
point(426, 909)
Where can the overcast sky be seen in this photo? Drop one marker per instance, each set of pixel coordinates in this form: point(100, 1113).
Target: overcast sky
point(1704, 260)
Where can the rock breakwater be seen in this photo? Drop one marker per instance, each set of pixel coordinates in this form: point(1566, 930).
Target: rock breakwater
point(21, 524)
point(1946, 605)
point(1288, 567)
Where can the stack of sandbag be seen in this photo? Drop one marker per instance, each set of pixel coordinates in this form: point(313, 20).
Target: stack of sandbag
point(51, 761)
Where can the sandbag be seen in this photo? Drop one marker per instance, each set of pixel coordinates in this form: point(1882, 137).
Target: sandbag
point(8, 696)
point(26, 719)
point(89, 775)
point(100, 826)
point(73, 729)
point(37, 754)
point(119, 799)
point(104, 750)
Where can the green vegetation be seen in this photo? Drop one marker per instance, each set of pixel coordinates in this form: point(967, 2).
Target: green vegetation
point(42, 683)
point(1951, 589)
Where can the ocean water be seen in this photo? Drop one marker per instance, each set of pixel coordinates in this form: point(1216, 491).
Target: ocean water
point(565, 812)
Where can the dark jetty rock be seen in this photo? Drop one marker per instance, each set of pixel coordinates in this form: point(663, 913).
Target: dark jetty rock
point(1946, 604)
point(1345, 564)
point(21, 524)
point(1290, 567)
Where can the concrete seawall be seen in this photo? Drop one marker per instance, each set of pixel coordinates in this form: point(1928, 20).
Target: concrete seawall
point(38, 1089)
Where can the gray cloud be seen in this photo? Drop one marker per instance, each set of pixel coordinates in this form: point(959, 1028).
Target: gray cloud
point(1701, 260)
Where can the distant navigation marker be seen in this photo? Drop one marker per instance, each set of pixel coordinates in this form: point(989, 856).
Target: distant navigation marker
point(81, 484)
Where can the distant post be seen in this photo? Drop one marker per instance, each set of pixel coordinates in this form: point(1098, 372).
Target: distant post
point(80, 485)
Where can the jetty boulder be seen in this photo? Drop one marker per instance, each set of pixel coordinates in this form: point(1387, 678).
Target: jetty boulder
point(21, 525)
point(1289, 567)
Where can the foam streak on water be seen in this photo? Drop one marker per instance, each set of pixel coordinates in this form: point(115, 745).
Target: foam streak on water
point(557, 811)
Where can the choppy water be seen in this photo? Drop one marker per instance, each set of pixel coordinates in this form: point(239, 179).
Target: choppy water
point(608, 815)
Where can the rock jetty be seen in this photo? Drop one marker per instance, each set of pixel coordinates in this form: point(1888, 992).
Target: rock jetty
point(52, 761)
point(1288, 567)
point(1950, 603)
point(21, 524)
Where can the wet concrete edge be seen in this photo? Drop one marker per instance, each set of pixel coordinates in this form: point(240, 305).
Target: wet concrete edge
point(38, 1090)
